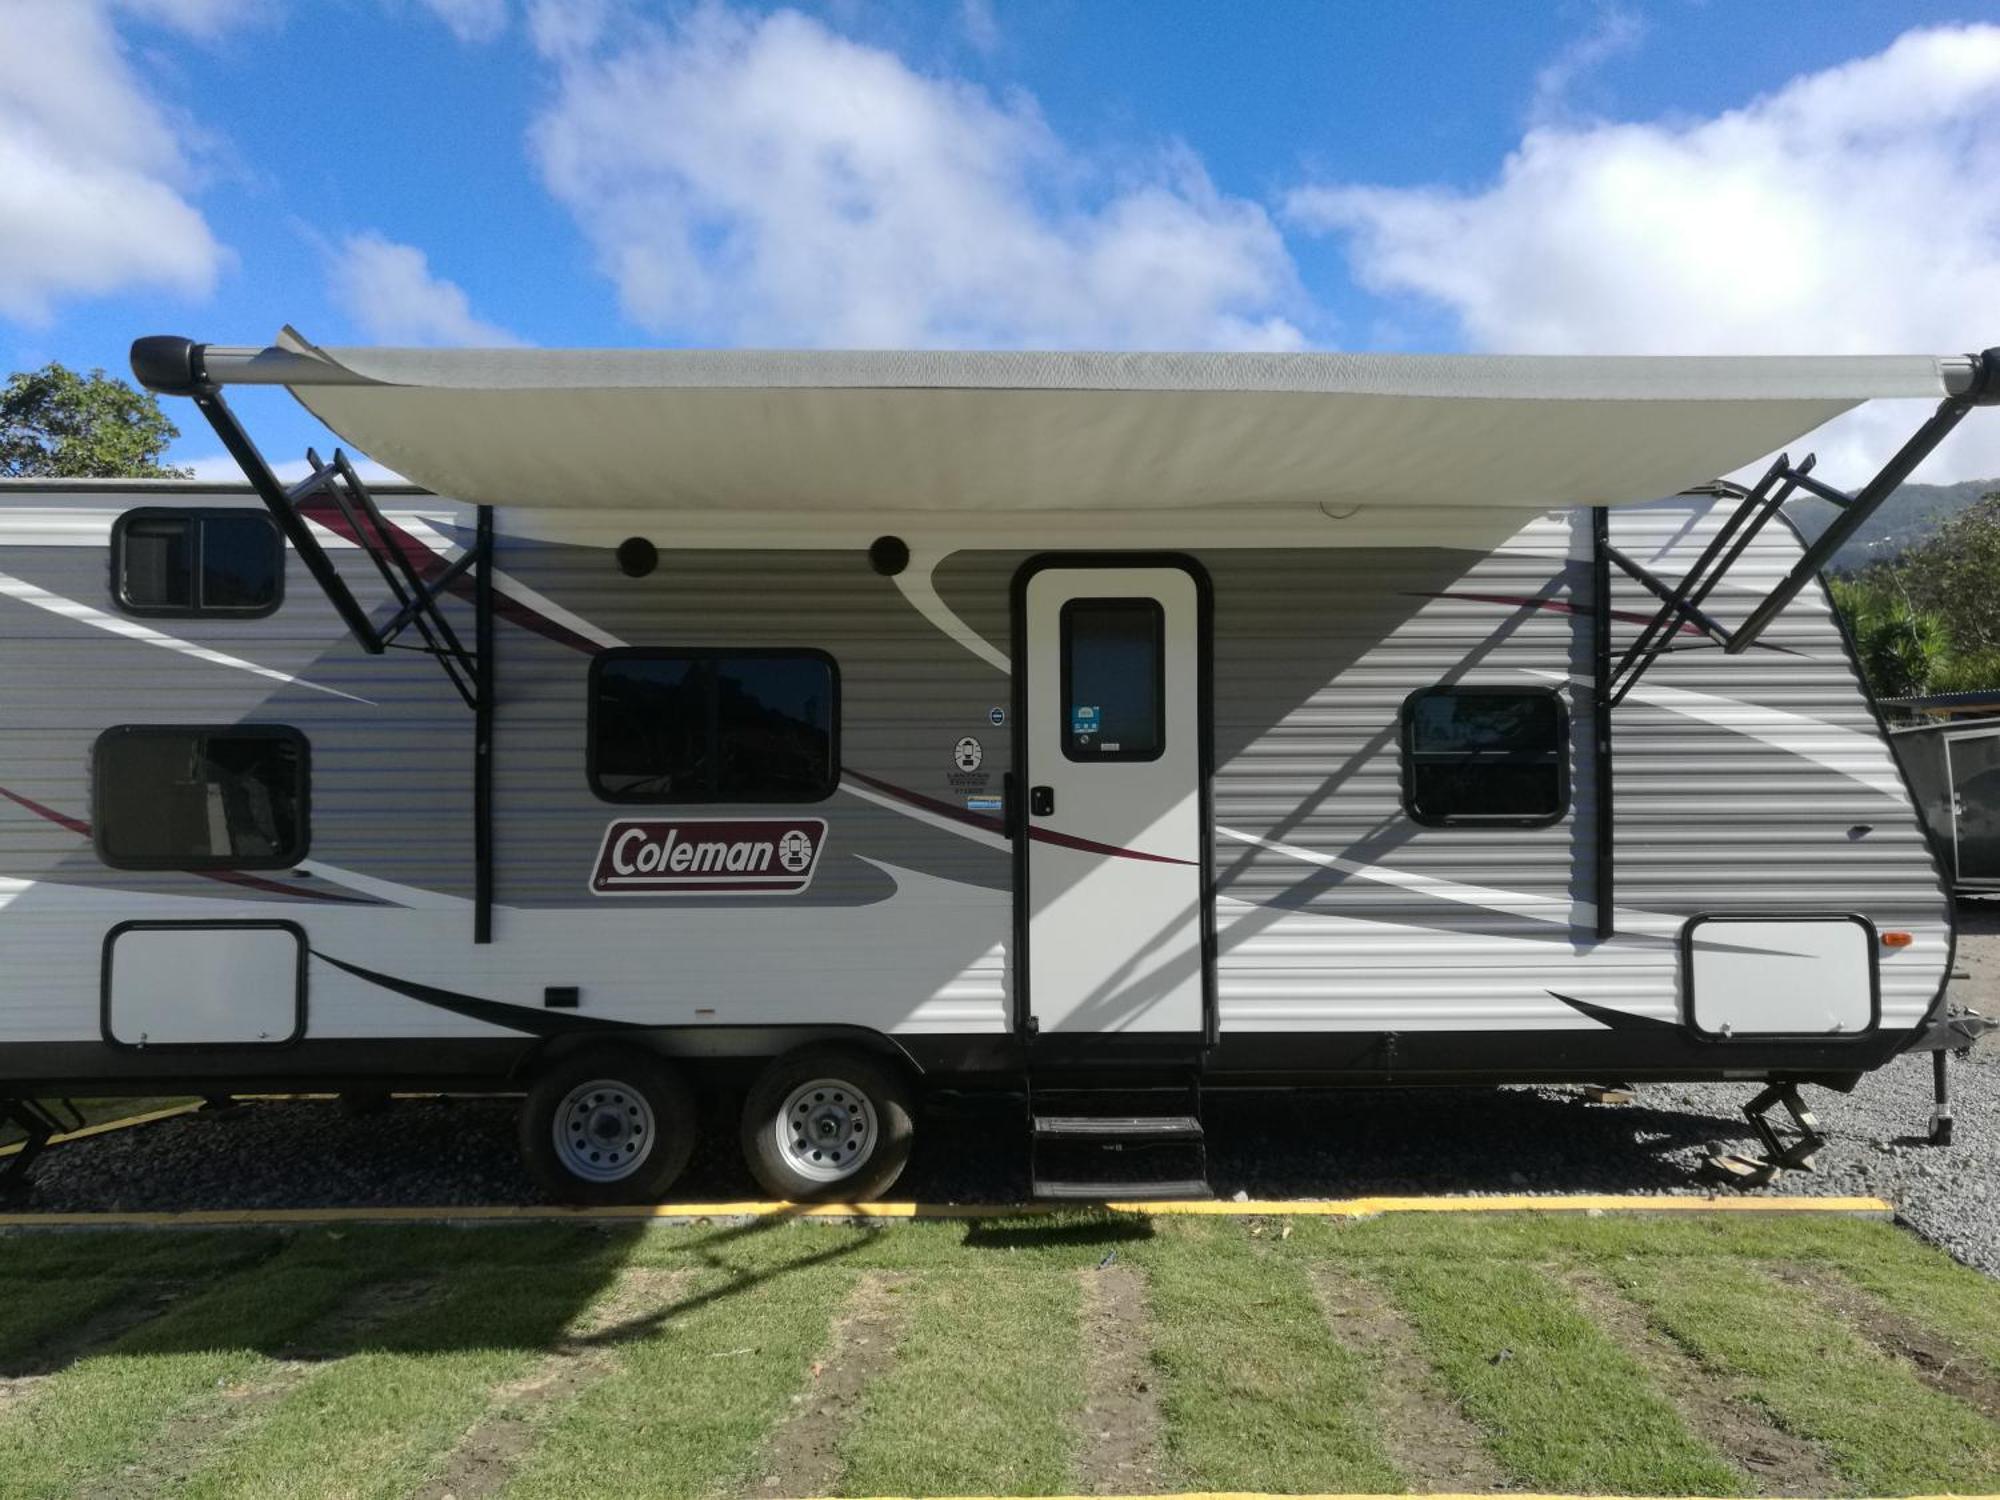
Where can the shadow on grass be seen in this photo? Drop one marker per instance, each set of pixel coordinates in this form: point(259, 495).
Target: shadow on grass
point(1104, 1229)
point(405, 1291)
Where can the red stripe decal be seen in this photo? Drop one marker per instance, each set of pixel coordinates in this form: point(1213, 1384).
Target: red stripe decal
point(228, 877)
point(428, 564)
point(996, 825)
point(1555, 606)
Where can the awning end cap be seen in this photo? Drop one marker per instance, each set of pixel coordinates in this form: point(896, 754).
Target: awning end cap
point(168, 364)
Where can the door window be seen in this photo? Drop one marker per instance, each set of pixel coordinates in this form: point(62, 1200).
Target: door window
point(1113, 679)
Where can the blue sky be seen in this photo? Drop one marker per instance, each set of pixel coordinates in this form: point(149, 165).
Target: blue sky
point(1676, 177)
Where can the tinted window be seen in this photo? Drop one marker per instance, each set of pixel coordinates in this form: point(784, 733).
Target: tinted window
point(231, 798)
point(1113, 687)
point(197, 562)
point(1485, 755)
point(157, 564)
point(721, 726)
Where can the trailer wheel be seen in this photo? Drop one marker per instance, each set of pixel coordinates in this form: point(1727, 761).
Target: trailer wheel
point(611, 1125)
point(828, 1124)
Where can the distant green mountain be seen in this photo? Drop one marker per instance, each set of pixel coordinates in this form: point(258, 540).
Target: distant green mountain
point(1905, 518)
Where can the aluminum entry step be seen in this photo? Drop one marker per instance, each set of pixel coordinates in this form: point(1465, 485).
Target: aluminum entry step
point(1120, 1127)
point(1115, 1192)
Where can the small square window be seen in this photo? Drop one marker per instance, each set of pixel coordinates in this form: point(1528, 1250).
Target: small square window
point(1485, 755)
point(197, 562)
point(714, 726)
point(224, 798)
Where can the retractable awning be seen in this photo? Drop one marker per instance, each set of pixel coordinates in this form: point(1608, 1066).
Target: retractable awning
point(931, 431)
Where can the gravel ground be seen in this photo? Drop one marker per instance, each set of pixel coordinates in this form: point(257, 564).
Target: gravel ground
point(1318, 1144)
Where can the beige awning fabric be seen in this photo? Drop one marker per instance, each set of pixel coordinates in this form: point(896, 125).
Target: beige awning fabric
point(986, 432)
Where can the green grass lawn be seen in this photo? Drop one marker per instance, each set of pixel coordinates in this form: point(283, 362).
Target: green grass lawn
point(708, 1360)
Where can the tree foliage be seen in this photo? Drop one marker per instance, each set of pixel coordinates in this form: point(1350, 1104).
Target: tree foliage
point(57, 424)
point(1929, 620)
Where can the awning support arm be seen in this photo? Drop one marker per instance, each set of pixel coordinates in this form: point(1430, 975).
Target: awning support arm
point(1600, 705)
point(1984, 390)
point(1681, 604)
point(1674, 602)
point(175, 366)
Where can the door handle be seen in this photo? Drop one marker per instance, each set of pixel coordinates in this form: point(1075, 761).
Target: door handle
point(1042, 801)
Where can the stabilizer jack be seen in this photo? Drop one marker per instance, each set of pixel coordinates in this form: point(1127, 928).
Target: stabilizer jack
point(1781, 1153)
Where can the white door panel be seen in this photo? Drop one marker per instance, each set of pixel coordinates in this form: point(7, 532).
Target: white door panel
point(1113, 765)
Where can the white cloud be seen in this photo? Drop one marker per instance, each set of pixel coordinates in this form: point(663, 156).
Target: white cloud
point(1614, 32)
point(469, 20)
point(201, 17)
point(220, 468)
point(981, 26)
point(1855, 210)
point(765, 180)
point(389, 291)
point(94, 173)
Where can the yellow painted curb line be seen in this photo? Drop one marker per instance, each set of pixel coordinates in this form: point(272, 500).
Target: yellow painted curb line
point(105, 1127)
point(1343, 1208)
point(1516, 1203)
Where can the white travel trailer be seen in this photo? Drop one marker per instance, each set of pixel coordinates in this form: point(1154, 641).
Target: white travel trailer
point(1103, 727)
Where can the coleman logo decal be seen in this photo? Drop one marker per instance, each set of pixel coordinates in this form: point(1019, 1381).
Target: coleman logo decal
point(708, 856)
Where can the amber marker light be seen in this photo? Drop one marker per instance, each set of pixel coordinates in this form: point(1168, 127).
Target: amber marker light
point(1897, 940)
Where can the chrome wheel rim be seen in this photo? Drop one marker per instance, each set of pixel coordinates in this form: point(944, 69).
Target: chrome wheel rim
point(603, 1130)
point(827, 1131)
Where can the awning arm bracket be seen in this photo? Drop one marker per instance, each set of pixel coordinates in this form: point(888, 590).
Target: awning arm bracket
point(175, 366)
point(1854, 510)
point(1681, 604)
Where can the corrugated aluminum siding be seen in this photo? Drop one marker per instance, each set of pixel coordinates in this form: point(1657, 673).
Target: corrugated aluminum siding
point(1749, 797)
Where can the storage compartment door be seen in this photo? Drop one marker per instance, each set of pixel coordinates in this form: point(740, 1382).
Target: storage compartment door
point(1780, 976)
point(169, 984)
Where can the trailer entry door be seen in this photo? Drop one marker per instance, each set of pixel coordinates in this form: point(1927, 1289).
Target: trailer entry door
point(1972, 761)
point(1113, 757)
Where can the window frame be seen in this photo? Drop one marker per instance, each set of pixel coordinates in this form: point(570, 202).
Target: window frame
point(1065, 657)
point(284, 859)
point(592, 695)
point(1406, 739)
point(197, 516)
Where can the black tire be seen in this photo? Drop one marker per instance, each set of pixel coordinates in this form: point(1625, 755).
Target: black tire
point(634, 1083)
point(873, 1089)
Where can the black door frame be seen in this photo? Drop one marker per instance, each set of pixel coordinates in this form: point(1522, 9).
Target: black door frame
point(1019, 825)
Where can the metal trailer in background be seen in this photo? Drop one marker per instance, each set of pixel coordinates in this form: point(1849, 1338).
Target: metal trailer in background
point(1954, 773)
point(1101, 729)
